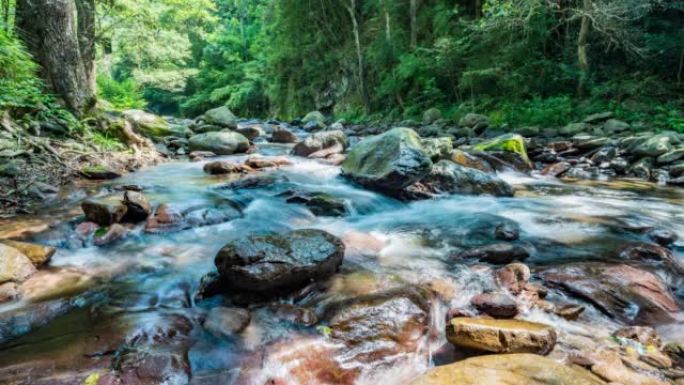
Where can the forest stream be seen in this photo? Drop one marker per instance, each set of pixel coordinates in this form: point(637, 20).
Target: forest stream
point(134, 310)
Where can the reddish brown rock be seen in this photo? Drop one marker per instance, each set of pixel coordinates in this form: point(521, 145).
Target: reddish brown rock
point(224, 167)
point(629, 294)
point(497, 305)
point(513, 277)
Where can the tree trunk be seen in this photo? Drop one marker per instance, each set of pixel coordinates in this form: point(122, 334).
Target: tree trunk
point(86, 40)
point(414, 25)
point(388, 26)
point(681, 69)
point(582, 47)
point(6, 14)
point(50, 31)
point(359, 54)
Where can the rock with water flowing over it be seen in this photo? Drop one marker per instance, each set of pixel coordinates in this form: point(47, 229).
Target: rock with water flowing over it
point(102, 212)
point(38, 254)
point(220, 143)
point(365, 334)
point(225, 322)
point(390, 161)
point(501, 336)
point(273, 264)
point(621, 291)
point(663, 237)
point(497, 253)
point(222, 167)
point(14, 265)
point(334, 141)
point(508, 369)
point(319, 203)
point(447, 177)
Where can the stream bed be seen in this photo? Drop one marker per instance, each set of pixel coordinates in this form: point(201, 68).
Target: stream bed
point(130, 311)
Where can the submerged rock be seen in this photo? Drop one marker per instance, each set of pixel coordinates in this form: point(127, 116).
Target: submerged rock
point(107, 235)
point(367, 334)
point(390, 161)
point(508, 369)
point(273, 264)
point(320, 204)
point(629, 294)
point(498, 253)
point(501, 336)
point(220, 143)
point(226, 322)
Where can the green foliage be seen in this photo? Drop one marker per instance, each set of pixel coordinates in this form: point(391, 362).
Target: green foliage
point(122, 95)
point(18, 82)
point(105, 142)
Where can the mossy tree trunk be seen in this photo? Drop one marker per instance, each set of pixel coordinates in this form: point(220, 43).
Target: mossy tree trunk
point(60, 36)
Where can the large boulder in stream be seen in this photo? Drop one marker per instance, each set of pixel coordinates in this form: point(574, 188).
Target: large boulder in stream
point(621, 291)
point(390, 161)
point(508, 369)
point(447, 177)
point(220, 143)
point(273, 264)
point(221, 116)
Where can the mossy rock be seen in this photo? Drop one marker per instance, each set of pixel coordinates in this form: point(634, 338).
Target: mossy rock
point(391, 161)
point(151, 125)
point(509, 142)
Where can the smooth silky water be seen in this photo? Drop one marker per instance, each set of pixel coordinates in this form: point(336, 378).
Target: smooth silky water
point(138, 287)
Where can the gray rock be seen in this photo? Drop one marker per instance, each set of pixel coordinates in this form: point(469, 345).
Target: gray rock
point(653, 146)
point(574, 129)
point(221, 116)
point(104, 213)
point(477, 122)
point(642, 168)
point(431, 115)
point(498, 253)
point(614, 126)
point(447, 177)
point(274, 264)
point(321, 141)
point(598, 117)
point(390, 161)
point(671, 156)
point(220, 143)
point(283, 135)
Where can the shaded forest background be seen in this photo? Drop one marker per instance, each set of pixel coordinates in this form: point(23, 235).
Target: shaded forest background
point(521, 62)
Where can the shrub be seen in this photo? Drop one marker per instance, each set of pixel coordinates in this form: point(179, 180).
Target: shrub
point(121, 94)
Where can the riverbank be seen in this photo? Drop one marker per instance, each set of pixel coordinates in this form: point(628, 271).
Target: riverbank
point(273, 255)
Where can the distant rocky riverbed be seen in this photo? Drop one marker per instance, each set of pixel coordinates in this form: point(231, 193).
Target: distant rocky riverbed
point(308, 253)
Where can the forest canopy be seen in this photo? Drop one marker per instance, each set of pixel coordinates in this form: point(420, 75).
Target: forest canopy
point(522, 62)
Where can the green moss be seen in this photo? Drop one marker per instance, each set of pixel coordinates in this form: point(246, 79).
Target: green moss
point(509, 142)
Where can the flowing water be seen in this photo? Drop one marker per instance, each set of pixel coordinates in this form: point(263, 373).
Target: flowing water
point(110, 299)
